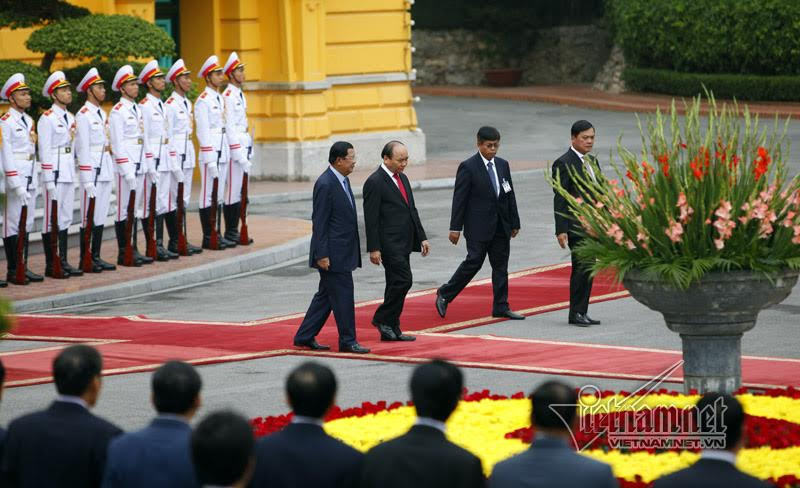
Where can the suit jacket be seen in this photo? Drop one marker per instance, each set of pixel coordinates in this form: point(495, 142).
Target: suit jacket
point(303, 455)
point(2, 445)
point(334, 226)
point(64, 445)
point(421, 458)
point(476, 207)
point(392, 225)
point(551, 463)
point(569, 159)
point(156, 456)
point(710, 473)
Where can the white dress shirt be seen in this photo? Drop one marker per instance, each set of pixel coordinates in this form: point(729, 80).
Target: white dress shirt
point(429, 422)
point(494, 169)
point(391, 175)
point(719, 455)
point(585, 164)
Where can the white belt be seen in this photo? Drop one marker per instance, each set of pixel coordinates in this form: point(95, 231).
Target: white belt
point(64, 150)
point(99, 149)
point(23, 156)
point(136, 141)
point(218, 130)
point(156, 141)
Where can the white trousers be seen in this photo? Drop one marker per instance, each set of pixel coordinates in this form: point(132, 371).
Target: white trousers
point(13, 207)
point(65, 195)
point(165, 199)
point(102, 200)
point(207, 184)
point(123, 196)
point(233, 190)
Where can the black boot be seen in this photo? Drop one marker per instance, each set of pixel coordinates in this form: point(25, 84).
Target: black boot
point(191, 247)
point(119, 230)
point(205, 222)
point(142, 258)
point(47, 241)
point(162, 253)
point(232, 222)
point(62, 251)
point(32, 277)
point(95, 267)
point(97, 242)
point(10, 247)
point(222, 214)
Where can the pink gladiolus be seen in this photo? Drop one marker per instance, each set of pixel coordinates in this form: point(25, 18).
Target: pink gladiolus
point(615, 232)
point(724, 210)
point(789, 220)
point(579, 200)
point(796, 239)
point(719, 243)
point(630, 244)
point(674, 231)
point(599, 205)
point(685, 209)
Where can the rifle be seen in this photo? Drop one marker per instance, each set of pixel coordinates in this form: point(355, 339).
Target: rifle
point(183, 245)
point(244, 238)
point(127, 258)
point(88, 263)
point(151, 217)
point(214, 241)
point(58, 270)
point(21, 238)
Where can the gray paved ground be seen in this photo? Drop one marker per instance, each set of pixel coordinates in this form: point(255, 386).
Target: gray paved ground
point(531, 132)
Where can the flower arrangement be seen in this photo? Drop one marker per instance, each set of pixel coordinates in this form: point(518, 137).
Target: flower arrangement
point(702, 196)
point(495, 427)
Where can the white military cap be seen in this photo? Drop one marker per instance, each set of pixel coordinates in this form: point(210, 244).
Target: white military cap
point(124, 74)
point(15, 82)
point(150, 70)
point(55, 80)
point(211, 64)
point(178, 68)
point(92, 78)
point(232, 63)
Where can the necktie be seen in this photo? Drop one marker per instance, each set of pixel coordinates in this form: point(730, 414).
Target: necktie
point(401, 187)
point(66, 119)
point(349, 192)
point(100, 114)
point(587, 161)
point(490, 168)
point(24, 122)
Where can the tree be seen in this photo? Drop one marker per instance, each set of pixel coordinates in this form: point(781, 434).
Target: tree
point(27, 13)
point(100, 36)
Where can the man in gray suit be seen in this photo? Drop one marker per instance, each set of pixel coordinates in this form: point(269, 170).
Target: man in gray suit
point(551, 460)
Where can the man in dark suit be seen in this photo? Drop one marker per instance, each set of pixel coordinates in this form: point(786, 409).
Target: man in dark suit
point(717, 416)
point(64, 445)
point(283, 458)
point(222, 450)
point(551, 461)
point(158, 455)
point(2, 430)
point(568, 230)
point(335, 252)
point(393, 231)
point(423, 457)
point(485, 206)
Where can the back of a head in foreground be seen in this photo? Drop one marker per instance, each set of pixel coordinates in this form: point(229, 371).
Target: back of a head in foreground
point(436, 388)
point(75, 368)
point(554, 406)
point(222, 449)
point(176, 386)
point(311, 388)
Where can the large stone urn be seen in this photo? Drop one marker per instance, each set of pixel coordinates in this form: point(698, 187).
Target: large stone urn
point(711, 316)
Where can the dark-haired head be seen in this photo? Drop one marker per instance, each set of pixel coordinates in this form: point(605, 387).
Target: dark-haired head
point(582, 136)
point(76, 372)
point(579, 127)
point(311, 389)
point(222, 449)
point(176, 388)
point(388, 149)
point(338, 151)
point(488, 133)
point(718, 413)
point(554, 406)
point(342, 157)
point(395, 156)
point(436, 389)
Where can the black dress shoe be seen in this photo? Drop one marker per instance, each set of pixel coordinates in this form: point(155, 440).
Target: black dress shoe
point(33, 277)
point(354, 348)
point(441, 304)
point(508, 314)
point(387, 334)
point(401, 336)
point(313, 345)
point(581, 320)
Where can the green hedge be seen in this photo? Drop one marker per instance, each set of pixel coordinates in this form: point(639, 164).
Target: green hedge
point(709, 36)
point(741, 87)
point(34, 78)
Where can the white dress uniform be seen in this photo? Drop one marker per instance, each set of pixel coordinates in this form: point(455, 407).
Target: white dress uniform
point(239, 138)
point(209, 115)
point(56, 130)
point(95, 163)
point(179, 115)
point(162, 157)
point(128, 146)
point(17, 158)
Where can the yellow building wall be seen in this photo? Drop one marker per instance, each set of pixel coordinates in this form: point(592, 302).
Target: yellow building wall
point(297, 54)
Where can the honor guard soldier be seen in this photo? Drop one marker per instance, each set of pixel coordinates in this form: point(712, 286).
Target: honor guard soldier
point(160, 157)
point(17, 157)
point(95, 165)
point(56, 130)
point(128, 146)
point(209, 114)
point(179, 115)
point(241, 145)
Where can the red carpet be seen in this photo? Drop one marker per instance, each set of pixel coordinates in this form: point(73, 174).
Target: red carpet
point(133, 344)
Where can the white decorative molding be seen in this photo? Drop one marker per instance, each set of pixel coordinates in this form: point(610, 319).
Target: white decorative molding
point(327, 83)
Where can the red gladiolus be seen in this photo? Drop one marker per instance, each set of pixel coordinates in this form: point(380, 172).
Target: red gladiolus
point(761, 163)
point(663, 160)
point(697, 170)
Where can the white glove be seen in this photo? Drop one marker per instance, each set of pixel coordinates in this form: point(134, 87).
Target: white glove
point(153, 176)
point(130, 179)
point(90, 190)
point(247, 166)
point(22, 194)
point(212, 171)
point(178, 175)
point(50, 186)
